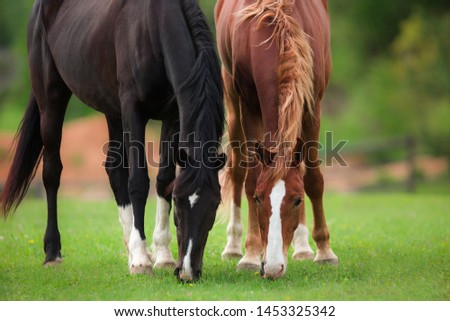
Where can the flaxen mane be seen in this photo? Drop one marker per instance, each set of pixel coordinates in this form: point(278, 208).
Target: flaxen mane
point(295, 71)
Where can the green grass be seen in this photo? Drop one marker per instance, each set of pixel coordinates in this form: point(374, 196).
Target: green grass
point(391, 247)
point(10, 117)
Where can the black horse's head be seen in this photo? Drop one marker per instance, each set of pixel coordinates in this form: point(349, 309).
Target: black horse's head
point(196, 198)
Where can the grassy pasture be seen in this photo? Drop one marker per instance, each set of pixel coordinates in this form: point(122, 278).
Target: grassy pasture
point(391, 247)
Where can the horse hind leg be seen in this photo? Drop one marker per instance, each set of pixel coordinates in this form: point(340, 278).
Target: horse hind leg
point(161, 235)
point(235, 174)
point(52, 106)
point(52, 96)
point(166, 175)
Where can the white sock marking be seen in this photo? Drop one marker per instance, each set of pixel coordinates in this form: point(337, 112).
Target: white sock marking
point(234, 230)
point(161, 234)
point(138, 249)
point(274, 252)
point(193, 199)
point(126, 219)
point(301, 243)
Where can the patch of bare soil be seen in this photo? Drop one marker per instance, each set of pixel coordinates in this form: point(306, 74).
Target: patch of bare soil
point(84, 148)
point(358, 174)
point(83, 152)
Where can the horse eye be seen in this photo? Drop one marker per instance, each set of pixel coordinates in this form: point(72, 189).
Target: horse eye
point(297, 201)
point(257, 199)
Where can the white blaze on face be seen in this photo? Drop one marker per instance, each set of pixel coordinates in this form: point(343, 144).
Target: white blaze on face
point(187, 267)
point(274, 250)
point(193, 199)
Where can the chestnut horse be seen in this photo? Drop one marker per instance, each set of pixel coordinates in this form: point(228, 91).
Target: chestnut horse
point(276, 66)
point(133, 61)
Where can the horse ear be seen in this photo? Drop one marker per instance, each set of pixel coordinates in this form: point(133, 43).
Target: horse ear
point(182, 157)
point(298, 153)
point(264, 155)
point(220, 161)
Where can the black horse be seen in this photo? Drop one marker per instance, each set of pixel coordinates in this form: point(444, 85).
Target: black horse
point(133, 61)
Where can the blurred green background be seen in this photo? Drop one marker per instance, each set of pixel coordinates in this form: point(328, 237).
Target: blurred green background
point(391, 63)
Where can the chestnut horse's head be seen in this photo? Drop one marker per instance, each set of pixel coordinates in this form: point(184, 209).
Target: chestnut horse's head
point(278, 202)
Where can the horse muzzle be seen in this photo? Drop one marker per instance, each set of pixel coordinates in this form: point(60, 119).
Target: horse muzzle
point(273, 271)
point(187, 276)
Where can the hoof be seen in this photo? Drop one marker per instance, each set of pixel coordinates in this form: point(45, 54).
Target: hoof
point(326, 257)
point(164, 264)
point(141, 269)
point(53, 262)
point(230, 254)
point(163, 259)
point(332, 261)
point(151, 258)
point(246, 264)
point(303, 256)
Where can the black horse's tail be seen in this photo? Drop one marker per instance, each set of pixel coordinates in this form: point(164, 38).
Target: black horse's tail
point(27, 156)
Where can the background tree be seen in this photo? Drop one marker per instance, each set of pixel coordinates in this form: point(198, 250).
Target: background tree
point(390, 78)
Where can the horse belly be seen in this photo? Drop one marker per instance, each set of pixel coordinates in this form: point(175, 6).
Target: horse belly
point(90, 83)
point(82, 46)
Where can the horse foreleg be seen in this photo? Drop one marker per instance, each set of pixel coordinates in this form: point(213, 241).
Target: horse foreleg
point(116, 166)
point(314, 185)
point(314, 189)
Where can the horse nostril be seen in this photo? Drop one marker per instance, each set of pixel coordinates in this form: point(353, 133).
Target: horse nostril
point(280, 273)
point(261, 271)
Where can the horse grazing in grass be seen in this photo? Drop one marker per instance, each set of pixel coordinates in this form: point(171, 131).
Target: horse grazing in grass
point(276, 66)
point(133, 61)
